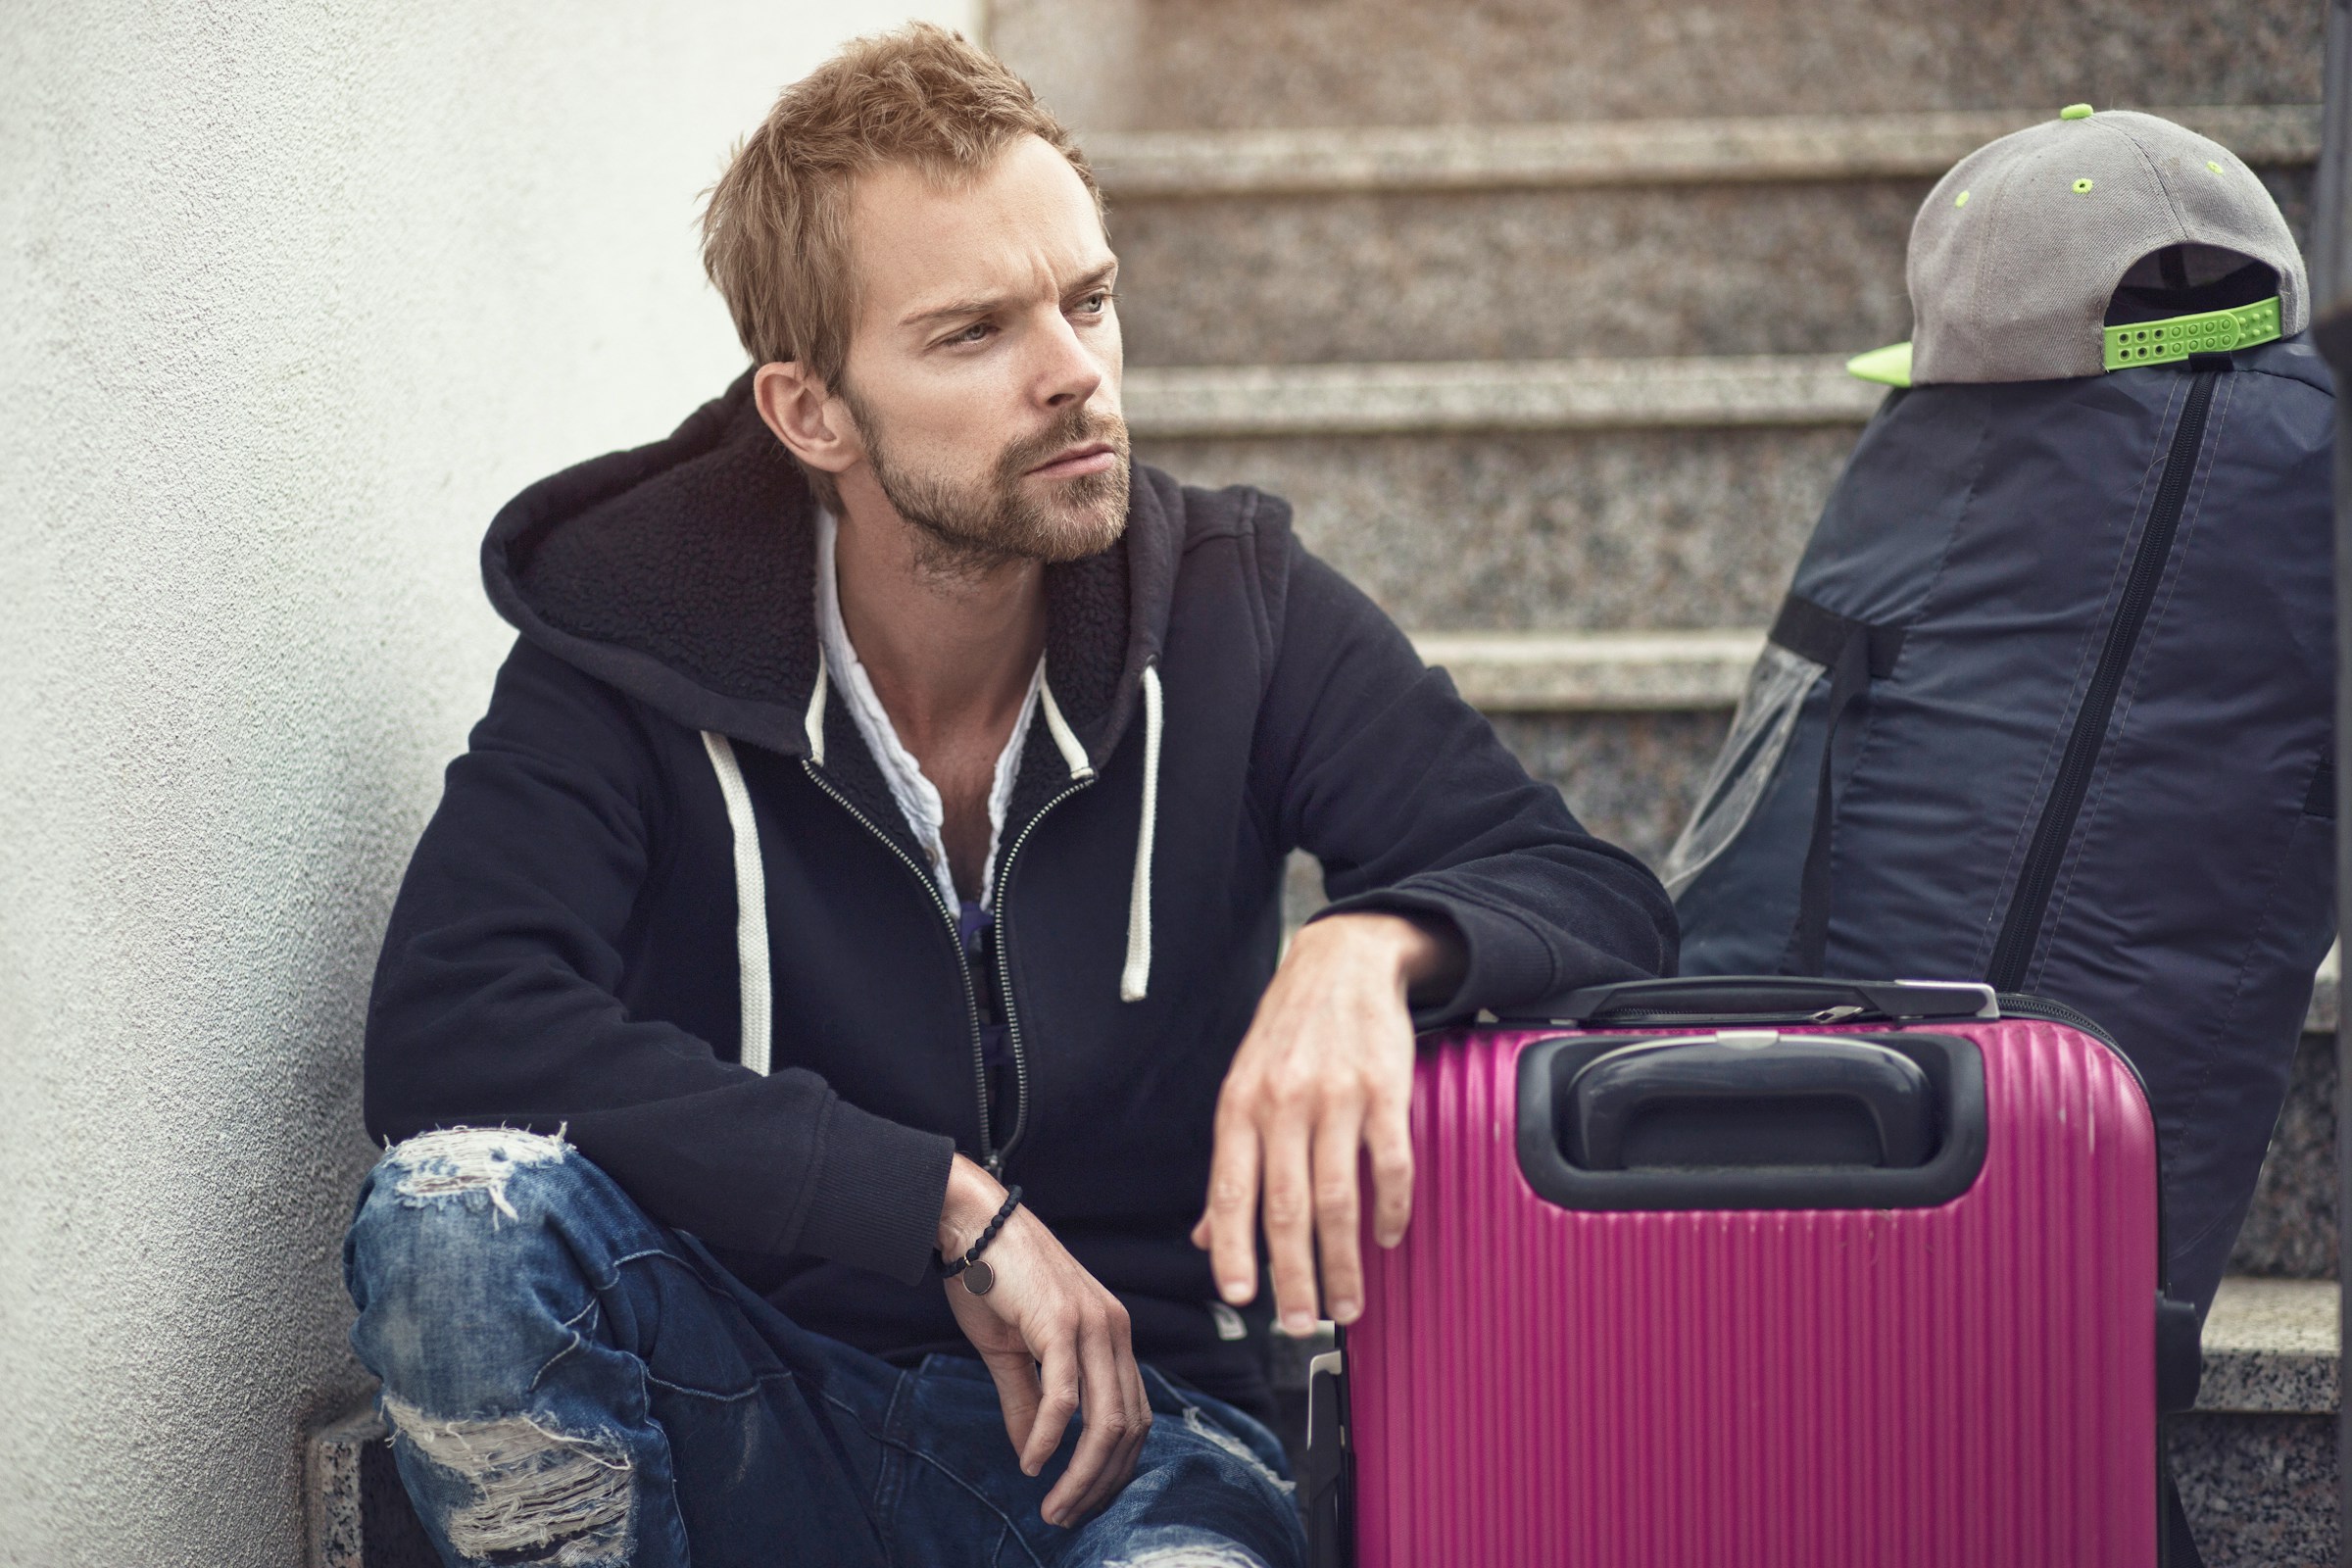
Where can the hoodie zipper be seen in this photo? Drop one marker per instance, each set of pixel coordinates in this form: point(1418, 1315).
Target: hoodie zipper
point(2021, 928)
point(1013, 1017)
point(989, 1156)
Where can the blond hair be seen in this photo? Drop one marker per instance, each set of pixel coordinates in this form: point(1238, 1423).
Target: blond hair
point(775, 230)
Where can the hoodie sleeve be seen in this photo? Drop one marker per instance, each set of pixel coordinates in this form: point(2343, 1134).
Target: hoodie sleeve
point(1416, 808)
point(496, 1002)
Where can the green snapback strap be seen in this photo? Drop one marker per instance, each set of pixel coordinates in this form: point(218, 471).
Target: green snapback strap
point(2176, 337)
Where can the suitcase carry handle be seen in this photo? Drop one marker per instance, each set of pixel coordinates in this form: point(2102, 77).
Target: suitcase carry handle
point(1738, 1150)
point(1750, 1098)
point(1776, 999)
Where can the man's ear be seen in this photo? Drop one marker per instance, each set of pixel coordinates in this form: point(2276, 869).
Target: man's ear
point(815, 426)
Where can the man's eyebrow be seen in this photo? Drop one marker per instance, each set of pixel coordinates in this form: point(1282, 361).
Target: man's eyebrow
point(991, 304)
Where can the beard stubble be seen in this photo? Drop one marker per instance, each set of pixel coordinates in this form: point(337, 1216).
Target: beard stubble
point(964, 531)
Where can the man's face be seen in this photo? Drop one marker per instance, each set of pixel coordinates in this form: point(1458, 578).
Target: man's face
point(984, 367)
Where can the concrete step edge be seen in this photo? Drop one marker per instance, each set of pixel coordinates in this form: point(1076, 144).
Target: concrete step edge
point(335, 1534)
point(2271, 1348)
point(1595, 671)
point(2326, 1011)
point(1196, 402)
point(1134, 165)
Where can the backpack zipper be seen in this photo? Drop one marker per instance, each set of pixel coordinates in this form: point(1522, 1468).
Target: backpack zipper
point(2021, 928)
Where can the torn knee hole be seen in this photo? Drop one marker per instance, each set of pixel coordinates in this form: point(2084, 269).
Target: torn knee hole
point(1201, 1426)
point(453, 1161)
point(1181, 1546)
point(538, 1495)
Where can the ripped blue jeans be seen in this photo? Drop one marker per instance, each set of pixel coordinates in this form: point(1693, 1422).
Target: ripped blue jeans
point(568, 1381)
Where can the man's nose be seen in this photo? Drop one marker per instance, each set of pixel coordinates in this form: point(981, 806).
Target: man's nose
point(1067, 372)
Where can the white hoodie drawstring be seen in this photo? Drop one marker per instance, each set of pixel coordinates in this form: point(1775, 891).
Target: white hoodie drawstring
point(755, 990)
point(1135, 978)
point(751, 899)
point(812, 722)
point(1065, 739)
point(1135, 981)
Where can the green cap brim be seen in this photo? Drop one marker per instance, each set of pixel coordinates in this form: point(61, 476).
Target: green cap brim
point(1888, 367)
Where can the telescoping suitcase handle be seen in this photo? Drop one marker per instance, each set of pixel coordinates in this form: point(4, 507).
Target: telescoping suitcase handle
point(1776, 998)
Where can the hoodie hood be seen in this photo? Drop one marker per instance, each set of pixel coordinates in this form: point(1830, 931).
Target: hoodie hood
point(683, 572)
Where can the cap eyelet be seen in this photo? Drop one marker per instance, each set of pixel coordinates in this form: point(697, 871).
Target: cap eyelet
point(2082, 187)
point(1960, 200)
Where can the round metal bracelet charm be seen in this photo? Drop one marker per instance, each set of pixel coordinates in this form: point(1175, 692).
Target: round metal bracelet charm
point(978, 1277)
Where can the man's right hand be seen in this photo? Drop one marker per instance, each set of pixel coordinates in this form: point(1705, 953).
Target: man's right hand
point(1055, 1342)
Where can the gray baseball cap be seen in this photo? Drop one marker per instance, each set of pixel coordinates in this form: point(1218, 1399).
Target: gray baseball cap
point(2016, 251)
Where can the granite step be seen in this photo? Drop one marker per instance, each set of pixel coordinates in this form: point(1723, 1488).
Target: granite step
point(1122, 64)
point(1617, 493)
point(1547, 530)
point(1551, 494)
point(1624, 723)
point(1554, 241)
point(2256, 1460)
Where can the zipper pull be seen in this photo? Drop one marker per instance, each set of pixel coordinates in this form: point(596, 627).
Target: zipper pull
point(1836, 1014)
point(995, 1166)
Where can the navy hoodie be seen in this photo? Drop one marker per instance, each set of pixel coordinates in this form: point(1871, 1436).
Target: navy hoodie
point(564, 953)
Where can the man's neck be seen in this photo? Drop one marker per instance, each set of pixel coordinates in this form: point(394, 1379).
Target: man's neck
point(947, 655)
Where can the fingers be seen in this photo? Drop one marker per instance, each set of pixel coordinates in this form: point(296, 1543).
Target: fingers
point(1388, 1136)
point(1117, 1417)
point(1290, 1225)
point(1018, 1392)
point(1231, 1222)
point(1101, 1435)
point(1337, 1211)
point(1058, 1381)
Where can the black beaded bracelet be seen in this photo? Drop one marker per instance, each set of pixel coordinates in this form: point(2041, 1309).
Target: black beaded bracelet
point(978, 1277)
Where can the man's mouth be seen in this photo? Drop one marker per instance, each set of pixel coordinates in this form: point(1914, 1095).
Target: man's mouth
point(1088, 456)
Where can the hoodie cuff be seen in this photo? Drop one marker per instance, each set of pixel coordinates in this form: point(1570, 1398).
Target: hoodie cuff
point(1506, 963)
point(878, 1193)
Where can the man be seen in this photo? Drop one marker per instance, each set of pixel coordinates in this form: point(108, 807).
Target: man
point(883, 728)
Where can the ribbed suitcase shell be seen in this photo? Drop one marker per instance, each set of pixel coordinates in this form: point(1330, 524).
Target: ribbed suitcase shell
point(1968, 1385)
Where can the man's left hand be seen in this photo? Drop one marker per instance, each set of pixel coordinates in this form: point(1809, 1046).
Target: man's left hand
point(1326, 1069)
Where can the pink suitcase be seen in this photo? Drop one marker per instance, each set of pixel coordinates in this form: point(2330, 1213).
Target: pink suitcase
point(1658, 1309)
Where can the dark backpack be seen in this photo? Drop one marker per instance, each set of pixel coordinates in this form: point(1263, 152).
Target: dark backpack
point(2049, 705)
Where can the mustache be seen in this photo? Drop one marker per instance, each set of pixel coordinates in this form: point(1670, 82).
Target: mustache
point(1080, 425)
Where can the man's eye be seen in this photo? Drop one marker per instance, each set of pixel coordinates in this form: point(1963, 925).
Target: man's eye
point(977, 333)
point(1096, 303)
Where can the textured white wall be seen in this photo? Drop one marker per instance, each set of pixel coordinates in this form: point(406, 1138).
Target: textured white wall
point(291, 297)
